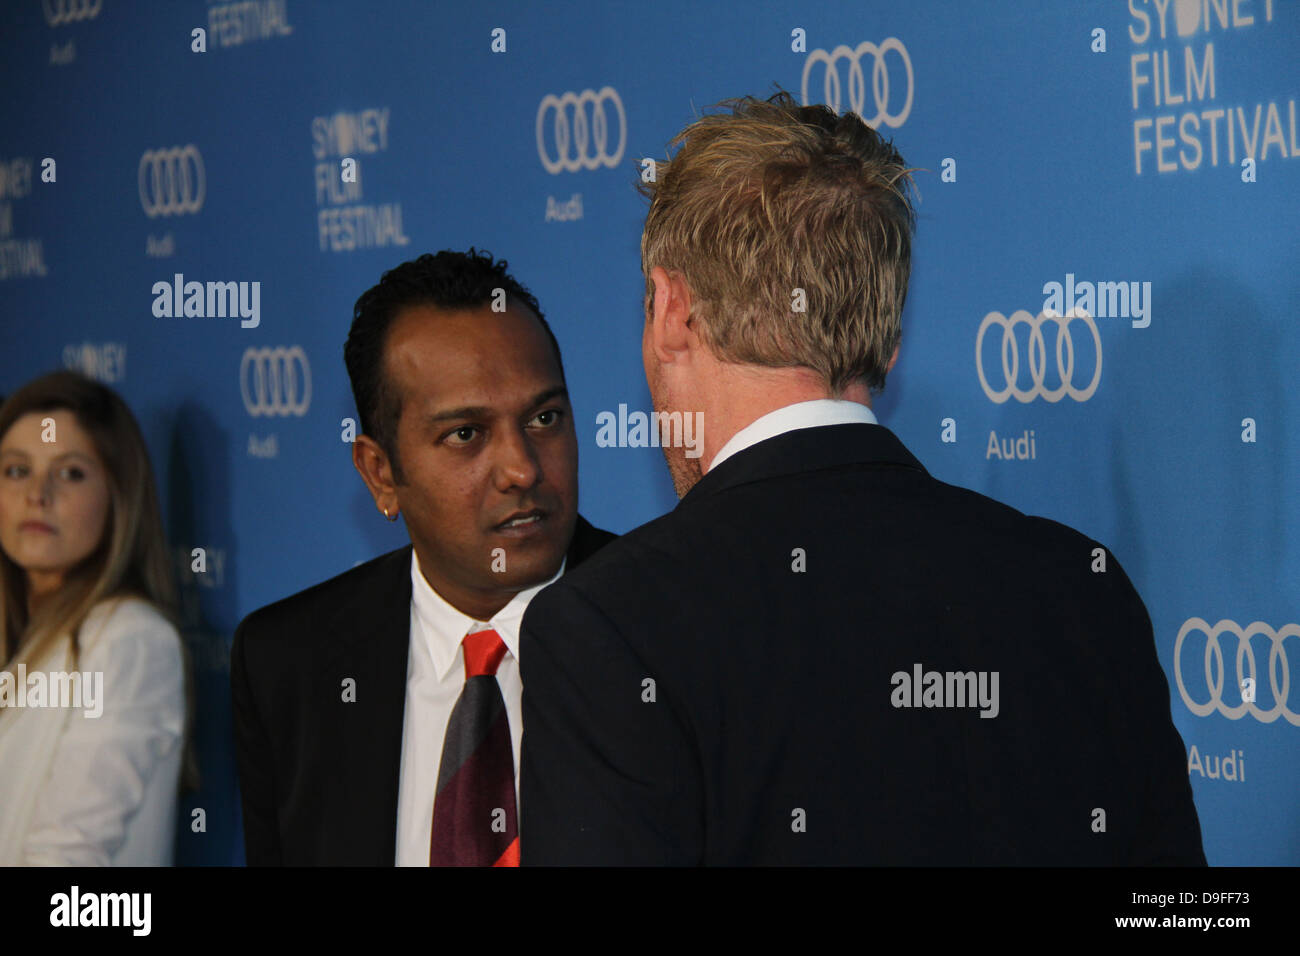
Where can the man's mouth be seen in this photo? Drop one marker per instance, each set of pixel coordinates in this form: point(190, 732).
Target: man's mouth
point(522, 519)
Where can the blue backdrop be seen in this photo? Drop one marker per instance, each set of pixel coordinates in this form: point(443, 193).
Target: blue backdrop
point(1142, 155)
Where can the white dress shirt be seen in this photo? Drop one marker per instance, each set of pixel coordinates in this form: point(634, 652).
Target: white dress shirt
point(435, 677)
point(77, 790)
point(813, 414)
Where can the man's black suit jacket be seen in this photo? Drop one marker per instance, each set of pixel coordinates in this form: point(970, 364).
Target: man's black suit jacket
point(319, 776)
point(691, 696)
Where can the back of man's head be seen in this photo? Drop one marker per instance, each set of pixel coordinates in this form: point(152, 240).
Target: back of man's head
point(792, 227)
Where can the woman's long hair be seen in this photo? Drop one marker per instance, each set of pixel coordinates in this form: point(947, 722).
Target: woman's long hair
point(131, 560)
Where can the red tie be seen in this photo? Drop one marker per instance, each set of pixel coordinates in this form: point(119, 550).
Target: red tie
point(474, 821)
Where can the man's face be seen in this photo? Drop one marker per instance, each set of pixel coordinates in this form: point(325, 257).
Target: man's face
point(487, 448)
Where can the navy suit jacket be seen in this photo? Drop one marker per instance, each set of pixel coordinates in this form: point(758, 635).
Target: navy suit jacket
point(725, 685)
point(319, 777)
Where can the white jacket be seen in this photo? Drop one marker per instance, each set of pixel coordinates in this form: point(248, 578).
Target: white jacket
point(77, 790)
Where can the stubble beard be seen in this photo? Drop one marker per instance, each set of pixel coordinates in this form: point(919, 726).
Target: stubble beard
point(685, 471)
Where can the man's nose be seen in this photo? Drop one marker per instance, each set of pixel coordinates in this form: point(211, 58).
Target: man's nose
point(517, 465)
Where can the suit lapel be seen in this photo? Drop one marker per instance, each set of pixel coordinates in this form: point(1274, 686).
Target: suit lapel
point(360, 742)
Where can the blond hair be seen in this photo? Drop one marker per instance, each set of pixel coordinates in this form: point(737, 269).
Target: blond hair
point(772, 198)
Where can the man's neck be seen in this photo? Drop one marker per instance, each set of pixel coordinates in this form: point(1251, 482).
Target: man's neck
point(480, 605)
point(739, 395)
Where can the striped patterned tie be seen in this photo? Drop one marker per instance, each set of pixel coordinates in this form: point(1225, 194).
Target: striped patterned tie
point(474, 822)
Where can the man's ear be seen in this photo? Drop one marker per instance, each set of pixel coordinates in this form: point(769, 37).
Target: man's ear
point(371, 462)
point(892, 360)
point(669, 315)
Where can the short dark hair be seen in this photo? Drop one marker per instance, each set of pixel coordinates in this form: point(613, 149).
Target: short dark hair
point(448, 280)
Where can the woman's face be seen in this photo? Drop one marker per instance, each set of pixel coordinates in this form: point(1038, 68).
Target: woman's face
point(54, 497)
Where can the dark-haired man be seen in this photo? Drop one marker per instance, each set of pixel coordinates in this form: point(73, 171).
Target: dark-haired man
point(377, 715)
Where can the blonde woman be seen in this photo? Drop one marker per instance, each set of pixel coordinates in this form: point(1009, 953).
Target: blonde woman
point(89, 765)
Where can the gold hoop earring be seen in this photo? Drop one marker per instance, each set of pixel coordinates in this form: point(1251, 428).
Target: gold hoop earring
point(392, 517)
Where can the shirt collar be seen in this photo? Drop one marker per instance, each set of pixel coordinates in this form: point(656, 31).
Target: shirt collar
point(445, 627)
point(812, 414)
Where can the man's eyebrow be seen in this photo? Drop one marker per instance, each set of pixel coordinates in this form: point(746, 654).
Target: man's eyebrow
point(544, 396)
point(482, 411)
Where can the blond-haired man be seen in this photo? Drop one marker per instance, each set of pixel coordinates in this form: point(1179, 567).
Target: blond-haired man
point(823, 655)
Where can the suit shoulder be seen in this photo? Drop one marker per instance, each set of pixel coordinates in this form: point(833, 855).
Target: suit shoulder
point(976, 528)
point(1003, 517)
point(965, 522)
point(309, 610)
point(587, 539)
point(614, 557)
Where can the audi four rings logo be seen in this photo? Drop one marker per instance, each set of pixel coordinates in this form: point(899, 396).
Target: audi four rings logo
point(581, 124)
point(275, 381)
point(1037, 355)
point(59, 12)
point(1279, 670)
point(172, 181)
point(857, 84)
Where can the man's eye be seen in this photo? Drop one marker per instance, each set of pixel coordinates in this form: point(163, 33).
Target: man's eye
point(549, 417)
point(463, 435)
point(14, 471)
point(72, 474)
